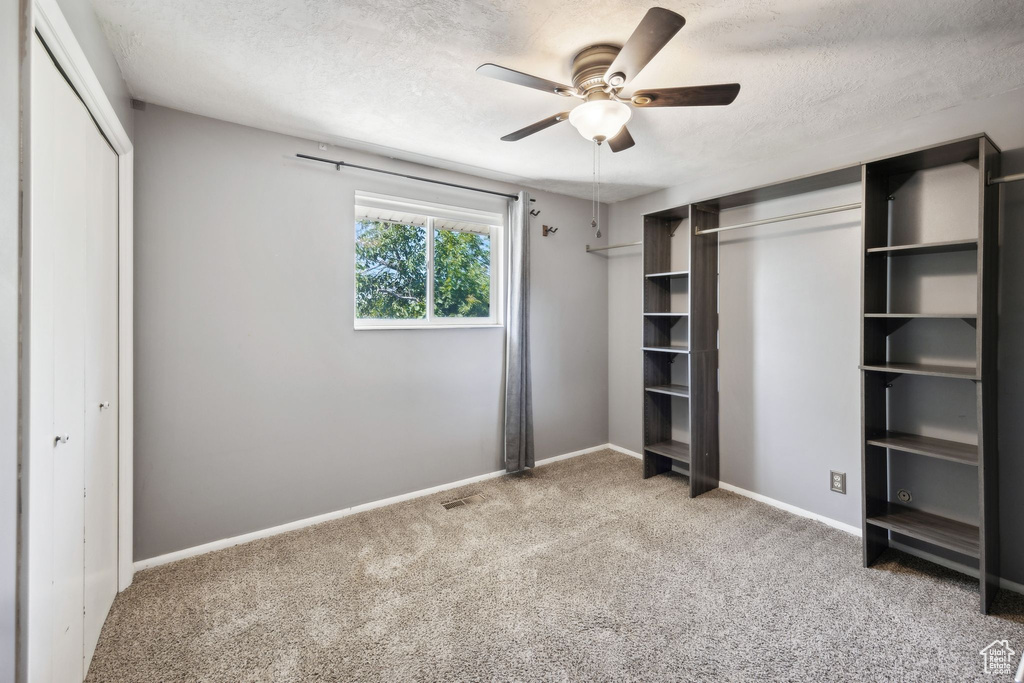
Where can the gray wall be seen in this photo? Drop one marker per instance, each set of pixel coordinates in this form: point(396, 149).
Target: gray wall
point(9, 231)
point(86, 27)
point(784, 426)
point(257, 403)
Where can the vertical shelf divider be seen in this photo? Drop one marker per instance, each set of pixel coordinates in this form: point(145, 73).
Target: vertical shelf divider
point(703, 338)
point(987, 349)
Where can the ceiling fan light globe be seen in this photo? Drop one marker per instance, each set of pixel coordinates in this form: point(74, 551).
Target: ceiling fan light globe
point(600, 119)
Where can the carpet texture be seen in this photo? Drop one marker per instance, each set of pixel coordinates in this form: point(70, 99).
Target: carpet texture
point(576, 571)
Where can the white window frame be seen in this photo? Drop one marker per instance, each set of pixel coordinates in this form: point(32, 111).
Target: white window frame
point(432, 211)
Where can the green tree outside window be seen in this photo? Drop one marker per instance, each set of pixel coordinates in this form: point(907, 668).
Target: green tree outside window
point(391, 272)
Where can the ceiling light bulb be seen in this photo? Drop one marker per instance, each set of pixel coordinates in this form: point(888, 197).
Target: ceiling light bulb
point(600, 119)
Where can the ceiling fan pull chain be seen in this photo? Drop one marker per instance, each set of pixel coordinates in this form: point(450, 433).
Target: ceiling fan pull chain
point(593, 189)
point(597, 207)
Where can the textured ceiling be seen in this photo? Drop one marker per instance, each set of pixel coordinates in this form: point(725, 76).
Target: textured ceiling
point(397, 76)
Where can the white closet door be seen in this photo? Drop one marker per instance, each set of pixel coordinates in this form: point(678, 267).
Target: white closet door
point(42, 451)
point(70, 131)
point(101, 407)
point(73, 321)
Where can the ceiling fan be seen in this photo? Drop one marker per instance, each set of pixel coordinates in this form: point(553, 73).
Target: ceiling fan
point(600, 72)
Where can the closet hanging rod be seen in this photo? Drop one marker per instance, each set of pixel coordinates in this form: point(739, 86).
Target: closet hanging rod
point(789, 217)
point(1006, 179)
point(613, 246)
point(338, 164)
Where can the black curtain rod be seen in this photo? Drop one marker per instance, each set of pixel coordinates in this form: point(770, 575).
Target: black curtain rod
point(339, 164)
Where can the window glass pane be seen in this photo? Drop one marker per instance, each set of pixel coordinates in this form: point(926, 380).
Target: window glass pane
point(391, 270)
point(462, 273)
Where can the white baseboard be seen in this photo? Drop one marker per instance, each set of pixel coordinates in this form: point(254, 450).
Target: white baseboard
point(625, 451)
point(338, 514)
point(800, 512)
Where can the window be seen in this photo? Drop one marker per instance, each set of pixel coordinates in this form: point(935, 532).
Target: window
point(425, 265)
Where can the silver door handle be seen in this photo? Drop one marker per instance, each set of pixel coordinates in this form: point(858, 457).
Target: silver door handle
point(105, 404)
point(62, 439)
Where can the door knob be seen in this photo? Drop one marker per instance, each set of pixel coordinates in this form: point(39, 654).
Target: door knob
point(105, 404)
point(62, 439)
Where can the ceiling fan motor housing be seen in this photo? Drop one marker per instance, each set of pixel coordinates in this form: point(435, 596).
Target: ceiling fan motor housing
point(590, 66)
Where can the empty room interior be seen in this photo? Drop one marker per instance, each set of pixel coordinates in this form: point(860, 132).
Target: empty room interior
point(496, 340)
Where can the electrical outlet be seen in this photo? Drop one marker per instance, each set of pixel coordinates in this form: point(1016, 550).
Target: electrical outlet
point(838, 482)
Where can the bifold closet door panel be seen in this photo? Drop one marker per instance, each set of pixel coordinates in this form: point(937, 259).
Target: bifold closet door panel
point(101, 404)
point(70, 128)
point(37, 617)
point(72, 331)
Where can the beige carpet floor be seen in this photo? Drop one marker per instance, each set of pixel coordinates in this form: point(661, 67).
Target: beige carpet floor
point(578, 571)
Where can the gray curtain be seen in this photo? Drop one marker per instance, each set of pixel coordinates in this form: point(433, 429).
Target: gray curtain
point(518, 397)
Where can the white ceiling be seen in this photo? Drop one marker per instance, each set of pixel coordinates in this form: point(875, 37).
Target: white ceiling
point(397, 76)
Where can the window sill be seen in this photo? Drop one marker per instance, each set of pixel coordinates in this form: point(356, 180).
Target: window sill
point(469, 326)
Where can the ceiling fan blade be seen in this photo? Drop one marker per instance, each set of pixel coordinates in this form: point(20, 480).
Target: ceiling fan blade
point(653, 33)
point(694, 96)
point(519, 78)
point(621, 141)
point(536, 127)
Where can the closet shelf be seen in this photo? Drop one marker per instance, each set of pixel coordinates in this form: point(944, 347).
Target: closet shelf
point(930, 248)
point(677, 450)
point(928, 527)
point(923, 316)
point(666, 315)
point(964, 453)
point(954, 371)
point(670, 274)
point(668, 349)
point(670, 389)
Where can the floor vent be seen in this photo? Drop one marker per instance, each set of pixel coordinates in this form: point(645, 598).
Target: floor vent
point(468, 500)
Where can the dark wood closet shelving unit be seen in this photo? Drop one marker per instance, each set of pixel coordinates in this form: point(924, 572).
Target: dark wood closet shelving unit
point(696, 384)
point(882, 517)
point(700, 456)
point(701, 324)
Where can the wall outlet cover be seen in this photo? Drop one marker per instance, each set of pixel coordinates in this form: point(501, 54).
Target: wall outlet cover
point(838, 482)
